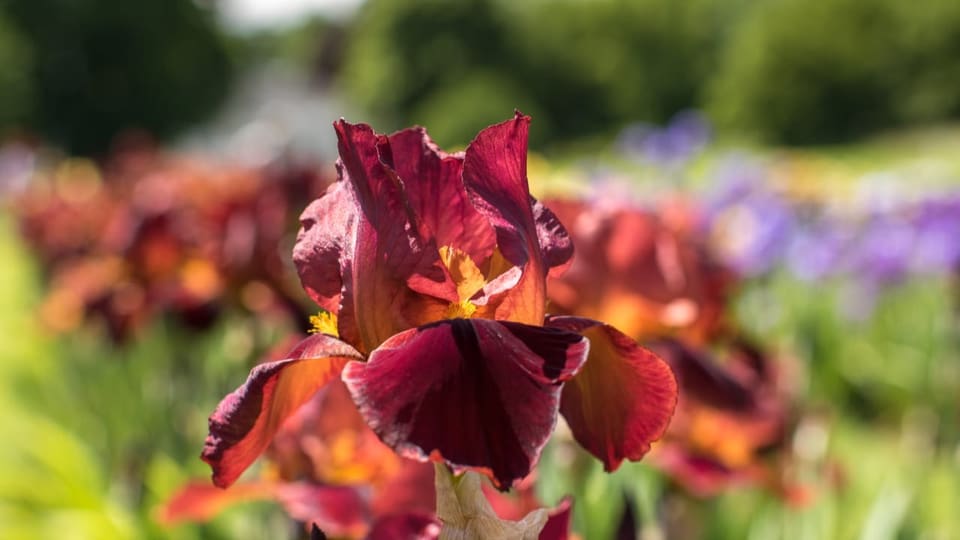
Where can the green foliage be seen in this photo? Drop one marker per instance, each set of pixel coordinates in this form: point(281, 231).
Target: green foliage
point(15, 83)
point(783, 70)
point(811, 72)
point(582, 66)
point(104, 66)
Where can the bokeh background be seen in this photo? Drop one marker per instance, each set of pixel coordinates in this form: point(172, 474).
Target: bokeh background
point(155, 155)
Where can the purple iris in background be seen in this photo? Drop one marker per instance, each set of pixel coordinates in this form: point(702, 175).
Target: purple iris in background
point(750, 223)
point(687, 133)
point(817, 250)
point(936, 223)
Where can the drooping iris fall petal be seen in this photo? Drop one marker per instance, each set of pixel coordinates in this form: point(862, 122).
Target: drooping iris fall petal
point(246, 420)
point(623, 398)
point(476, 393)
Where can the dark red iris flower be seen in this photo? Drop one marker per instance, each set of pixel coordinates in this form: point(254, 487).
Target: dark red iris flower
point(732, 422)
point(647, 272)
point(150, 233)
point(431, 268)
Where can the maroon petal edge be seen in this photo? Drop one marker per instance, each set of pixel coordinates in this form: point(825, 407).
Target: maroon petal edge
point(623, 398)
point(246, 420)
point(472, 392)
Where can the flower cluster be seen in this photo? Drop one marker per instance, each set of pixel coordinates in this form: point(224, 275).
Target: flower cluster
point(148, 233)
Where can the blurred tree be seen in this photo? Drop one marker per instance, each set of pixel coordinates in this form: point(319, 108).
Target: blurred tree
point(101, 67)
point(581, 66)
point(15, 82)
point(803, 72)
point(930, 69)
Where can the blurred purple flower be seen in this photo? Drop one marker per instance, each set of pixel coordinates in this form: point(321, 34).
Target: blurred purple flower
point(687, 133)
point(817, 250)
point(937, 227)
point(17, 161)
point(750, 224)
point(879, 258)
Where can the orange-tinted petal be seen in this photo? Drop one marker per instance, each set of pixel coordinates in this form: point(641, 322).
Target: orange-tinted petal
point(246, 420)
point(199, 501)
point(622, 399)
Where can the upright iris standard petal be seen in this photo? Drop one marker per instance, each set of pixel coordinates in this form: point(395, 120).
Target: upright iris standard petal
point(326, 227)
point(623, 398)
point(434, 187)
point(555, 243)
point(389, 260)
point(199, 501)
point(495, 175)
point(246, 420)
point(476, 393)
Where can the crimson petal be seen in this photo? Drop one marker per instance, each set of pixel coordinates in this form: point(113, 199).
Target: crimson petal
point(623, 398)
point(246, 420)
point(326, 227)
point(555, 243)
point(435, 189)
point(389, 256)
point(495, 175)
point(473, 392)
point(337, 510)
point(558, 524)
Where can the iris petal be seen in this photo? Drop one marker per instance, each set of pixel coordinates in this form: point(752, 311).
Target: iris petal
point(702, 378)
point(326, 226)
point(246, 420)
point(389, 260)
point(475, 393)
point(495, 174)
point(436, 192)
point(558, 521)
point(337, 510)
point(199, 501)
point(623, 398)
point(555, 243)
